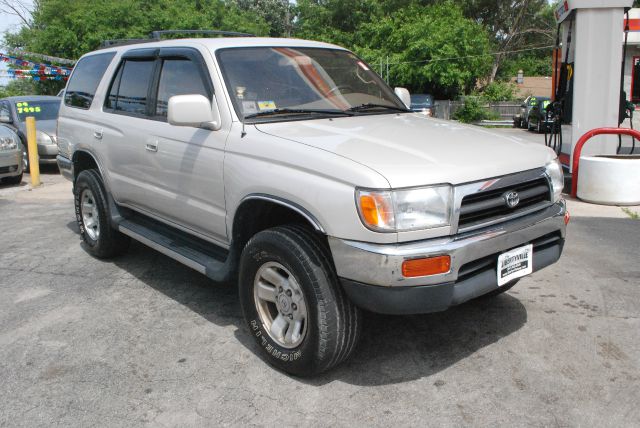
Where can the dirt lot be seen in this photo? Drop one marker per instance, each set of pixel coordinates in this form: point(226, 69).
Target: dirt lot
point(144, 341)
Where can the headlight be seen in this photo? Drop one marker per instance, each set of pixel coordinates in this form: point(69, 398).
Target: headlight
point(406, 209)
point(43, 138)
point(554, 170)
point(8, 143)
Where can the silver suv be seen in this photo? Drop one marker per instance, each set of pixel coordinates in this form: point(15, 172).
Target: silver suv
point(290, 167)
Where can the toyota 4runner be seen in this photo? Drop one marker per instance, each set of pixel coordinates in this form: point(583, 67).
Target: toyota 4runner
point(291, 168)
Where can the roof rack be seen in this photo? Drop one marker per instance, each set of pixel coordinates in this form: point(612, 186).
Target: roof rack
point(157, 35)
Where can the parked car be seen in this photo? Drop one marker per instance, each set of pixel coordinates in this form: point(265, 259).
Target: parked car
point(422, 103)
point(521, 120)
point(14, 111)
point(289, 167)
point(539, 120)
point(11, 161)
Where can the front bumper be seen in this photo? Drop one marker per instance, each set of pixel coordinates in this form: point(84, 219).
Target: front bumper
point(371, 274)
point(10, 163)
point(47, 153)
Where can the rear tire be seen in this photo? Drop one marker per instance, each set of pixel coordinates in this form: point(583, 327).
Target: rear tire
point(92, 214)
point(292, 261)
point(14, 180)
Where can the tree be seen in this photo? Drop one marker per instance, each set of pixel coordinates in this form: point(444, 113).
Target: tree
point(71, 29)
point(278, 14)
point(431, 48)
point(18, 8)
point(513, 25)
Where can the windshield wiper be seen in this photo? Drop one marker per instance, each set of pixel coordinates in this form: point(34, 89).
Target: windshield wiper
point(294, 111)
point(371, 106)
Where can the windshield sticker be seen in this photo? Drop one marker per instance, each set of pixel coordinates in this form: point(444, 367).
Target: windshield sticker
point(24, 107)
point(249, 107)
point(266, 105)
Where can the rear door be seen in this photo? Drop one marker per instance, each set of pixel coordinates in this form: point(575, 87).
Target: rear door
point(126, 128)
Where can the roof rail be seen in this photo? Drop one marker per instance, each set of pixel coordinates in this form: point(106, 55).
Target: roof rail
point(122, 42)
point(157, 35)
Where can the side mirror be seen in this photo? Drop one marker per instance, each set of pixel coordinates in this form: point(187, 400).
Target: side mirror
point(404, 96)
point(195, 111)
point(5, 118)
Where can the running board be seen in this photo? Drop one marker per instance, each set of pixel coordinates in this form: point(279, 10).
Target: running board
point(204, 257)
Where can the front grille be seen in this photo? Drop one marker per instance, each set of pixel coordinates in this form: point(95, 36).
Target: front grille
point(484, 207)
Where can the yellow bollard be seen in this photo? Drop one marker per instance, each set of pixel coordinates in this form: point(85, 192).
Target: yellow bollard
point(34, 161)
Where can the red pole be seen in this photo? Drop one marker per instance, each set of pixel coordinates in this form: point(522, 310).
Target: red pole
point(577, 151)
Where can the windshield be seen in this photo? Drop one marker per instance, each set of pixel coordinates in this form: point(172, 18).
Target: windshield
point(41, 110)
point(270, 79)
point(420, 101)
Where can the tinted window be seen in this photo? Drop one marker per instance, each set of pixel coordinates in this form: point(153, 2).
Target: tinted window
point(4, 109)
point(43, 110)
point(128, 92)
point(85, 79)
point(178, 77)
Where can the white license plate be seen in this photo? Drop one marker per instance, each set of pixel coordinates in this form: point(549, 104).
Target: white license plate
point(515, 264)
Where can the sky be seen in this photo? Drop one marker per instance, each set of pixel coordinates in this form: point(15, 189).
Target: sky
point(8, 23)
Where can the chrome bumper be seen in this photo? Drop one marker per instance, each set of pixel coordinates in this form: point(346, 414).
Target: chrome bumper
point(381, 264)
point(10, 163)
point(47, 153)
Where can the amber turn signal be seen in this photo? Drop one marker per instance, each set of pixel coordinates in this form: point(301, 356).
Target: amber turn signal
point(425, 267)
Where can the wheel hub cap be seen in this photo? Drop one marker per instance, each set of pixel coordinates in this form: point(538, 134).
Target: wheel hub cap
point(280, 305)
point(90, 216)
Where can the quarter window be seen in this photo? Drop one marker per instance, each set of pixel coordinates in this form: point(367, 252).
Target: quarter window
point(85, 80)
point(128, 93)
point(178, 77)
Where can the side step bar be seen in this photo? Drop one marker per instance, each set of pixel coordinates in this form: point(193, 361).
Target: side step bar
point(204, 257)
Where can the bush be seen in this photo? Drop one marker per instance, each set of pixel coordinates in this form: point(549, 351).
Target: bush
point(499, 91)
point(473, 111)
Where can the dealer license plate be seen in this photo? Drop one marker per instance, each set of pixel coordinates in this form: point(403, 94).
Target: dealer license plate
point(515, 264)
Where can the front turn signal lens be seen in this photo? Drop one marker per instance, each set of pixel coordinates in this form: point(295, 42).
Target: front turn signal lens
point(376, 210)
point(427, 266)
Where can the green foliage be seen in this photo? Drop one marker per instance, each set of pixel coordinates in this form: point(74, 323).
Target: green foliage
point(419, 40)
point(18, 87)
point(499, 91)
point(72, 28)
point(442, 47)
point(473, 111)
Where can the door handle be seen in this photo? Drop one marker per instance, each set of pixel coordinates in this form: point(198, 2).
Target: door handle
point(151, 147)
point(98, 134)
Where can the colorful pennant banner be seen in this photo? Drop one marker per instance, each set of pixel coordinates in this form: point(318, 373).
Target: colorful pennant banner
point(34, 70)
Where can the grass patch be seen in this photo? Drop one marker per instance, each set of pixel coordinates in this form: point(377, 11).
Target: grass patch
point(634, 215)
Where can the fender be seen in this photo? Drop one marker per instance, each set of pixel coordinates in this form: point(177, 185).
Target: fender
point(292, 205)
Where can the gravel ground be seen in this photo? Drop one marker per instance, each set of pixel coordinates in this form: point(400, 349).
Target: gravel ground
point(144, 341)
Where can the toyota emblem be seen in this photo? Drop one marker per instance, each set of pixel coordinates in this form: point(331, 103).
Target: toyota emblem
point(511, 199)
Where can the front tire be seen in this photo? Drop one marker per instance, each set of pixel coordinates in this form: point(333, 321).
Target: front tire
point(293, 303)
point(92, 214)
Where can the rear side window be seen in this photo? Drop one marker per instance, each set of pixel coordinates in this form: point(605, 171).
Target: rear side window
point(85, 79)
point(129, 90)
point(178, 77)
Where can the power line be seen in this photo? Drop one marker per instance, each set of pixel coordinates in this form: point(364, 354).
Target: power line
point(474, 56)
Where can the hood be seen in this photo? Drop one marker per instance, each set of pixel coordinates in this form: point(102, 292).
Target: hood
point(413, 150)
point(46, 126)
